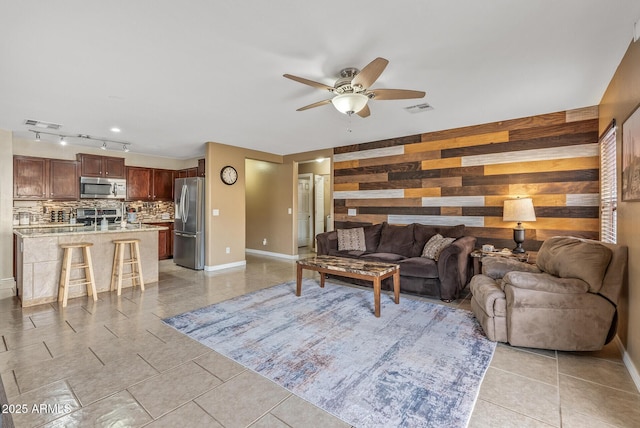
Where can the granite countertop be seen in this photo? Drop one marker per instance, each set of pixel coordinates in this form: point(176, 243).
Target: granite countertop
point(36, 231)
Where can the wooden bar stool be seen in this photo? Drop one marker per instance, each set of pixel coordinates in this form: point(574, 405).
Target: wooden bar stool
point(65, 272)
point(135, 275)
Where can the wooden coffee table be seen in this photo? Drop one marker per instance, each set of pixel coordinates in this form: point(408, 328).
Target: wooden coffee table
point(352, 268)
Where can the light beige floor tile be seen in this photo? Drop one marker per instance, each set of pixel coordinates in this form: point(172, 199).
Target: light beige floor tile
point(189, 415)
point(14, 321)
point(32, 336)
point(23, 356)
point(573, 419)
point(270, 421)
point(168, 355)
point(604, 372)
point(173, 388)
point(259, 394)
point(46, 372)
point(117, 376)
point(523, 395)
point(45, 404)
point(298, 413)
point(10, 386)
point(220, 366)
point(119, 410)
point(528, 364)
point(114, 349)
point(610, 405)
point(489, 415)
point(71, 343)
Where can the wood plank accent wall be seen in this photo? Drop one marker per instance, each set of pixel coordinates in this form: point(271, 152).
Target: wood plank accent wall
point(464, 175)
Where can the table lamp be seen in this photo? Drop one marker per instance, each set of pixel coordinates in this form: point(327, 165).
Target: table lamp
point(519, 210)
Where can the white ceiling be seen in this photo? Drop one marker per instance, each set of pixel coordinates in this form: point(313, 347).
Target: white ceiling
point(174, 75)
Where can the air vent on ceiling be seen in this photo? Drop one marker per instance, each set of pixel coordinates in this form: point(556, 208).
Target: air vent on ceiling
point(41, 124)
point(419, 108)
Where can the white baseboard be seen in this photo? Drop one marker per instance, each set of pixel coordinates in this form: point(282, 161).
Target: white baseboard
point(626, 359)
point(243, 263)
point(7, 284)
point(269, 253)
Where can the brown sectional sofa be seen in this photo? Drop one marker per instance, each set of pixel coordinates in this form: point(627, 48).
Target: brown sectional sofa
point(403, 244)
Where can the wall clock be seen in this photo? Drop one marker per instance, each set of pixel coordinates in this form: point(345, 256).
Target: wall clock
point(229, 175)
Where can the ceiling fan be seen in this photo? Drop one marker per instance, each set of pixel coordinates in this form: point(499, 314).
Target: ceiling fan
point(353, 89)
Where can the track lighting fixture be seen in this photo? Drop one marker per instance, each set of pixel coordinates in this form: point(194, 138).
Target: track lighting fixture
point(64, 139)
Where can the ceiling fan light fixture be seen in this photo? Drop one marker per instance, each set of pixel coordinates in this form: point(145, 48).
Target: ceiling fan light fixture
point(349, 103)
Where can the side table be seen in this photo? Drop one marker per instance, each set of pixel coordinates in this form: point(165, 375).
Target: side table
point(478, 255)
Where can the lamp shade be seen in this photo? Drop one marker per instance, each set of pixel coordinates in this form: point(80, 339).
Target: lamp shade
point(349, 103)
point(519, 210)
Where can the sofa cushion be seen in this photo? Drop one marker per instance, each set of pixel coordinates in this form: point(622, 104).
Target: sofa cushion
point(372, 236)
point(422, 233)
point(569, 257)
point(352, 254)
point(435, 245)
point(351, 239)
point(384, 257)
point(419, 267)
point(545, 282)
point(396, 239)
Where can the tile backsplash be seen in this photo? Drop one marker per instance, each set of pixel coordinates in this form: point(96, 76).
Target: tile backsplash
point(40, 211)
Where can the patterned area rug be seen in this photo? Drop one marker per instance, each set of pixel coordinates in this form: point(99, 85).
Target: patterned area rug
point(418, 365)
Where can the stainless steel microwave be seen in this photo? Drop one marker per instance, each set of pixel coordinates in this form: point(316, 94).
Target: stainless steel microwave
point(103, 188)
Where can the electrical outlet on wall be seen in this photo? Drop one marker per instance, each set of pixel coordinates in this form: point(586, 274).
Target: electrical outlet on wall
point(228, 250)
point(264, 241)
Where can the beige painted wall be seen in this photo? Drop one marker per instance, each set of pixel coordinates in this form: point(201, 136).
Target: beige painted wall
point(619, 101)
point(6, 205)
point(268, 200)
point(227, 230)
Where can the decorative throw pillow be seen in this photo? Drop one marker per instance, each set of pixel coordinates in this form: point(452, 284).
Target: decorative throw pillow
point(351, 239)
point(435, 245)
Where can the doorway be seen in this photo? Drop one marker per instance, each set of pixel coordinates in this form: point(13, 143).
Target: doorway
point(305, 209)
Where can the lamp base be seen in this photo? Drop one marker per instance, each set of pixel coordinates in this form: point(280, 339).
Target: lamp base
point(518, 237)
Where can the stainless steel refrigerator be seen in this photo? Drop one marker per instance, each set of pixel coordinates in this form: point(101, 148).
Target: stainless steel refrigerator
point(188, 230)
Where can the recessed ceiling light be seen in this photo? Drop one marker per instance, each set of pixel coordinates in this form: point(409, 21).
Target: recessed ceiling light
point(115, 129)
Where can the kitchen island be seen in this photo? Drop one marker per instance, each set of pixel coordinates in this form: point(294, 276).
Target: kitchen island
point(39, 257)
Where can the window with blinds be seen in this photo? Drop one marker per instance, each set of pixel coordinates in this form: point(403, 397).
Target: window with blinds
point(608, 185)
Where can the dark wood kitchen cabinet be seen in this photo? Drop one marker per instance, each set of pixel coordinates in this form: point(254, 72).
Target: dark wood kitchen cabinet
point(139, 183)
point(201, 168)
point(187, 172)
point(149, 184)
point(165, 241)
point(101, 166)
point(63, 179)
point(163, 184)
point(42, 178)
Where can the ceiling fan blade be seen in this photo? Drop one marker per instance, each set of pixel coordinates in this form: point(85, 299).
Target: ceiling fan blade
point(309, 82)
point(370, 73)
point(396, 94)
point(365, 112)
point(318, 104)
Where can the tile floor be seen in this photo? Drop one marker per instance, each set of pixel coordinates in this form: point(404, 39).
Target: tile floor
point(114, 363)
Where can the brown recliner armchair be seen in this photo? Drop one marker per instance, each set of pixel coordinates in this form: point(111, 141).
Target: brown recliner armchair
point(567, 301)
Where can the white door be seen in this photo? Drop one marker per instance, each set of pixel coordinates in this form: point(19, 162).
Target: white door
point(304, 209)
point(318, 190)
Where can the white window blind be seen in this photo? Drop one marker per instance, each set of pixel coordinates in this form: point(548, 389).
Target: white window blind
point(608, 186)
